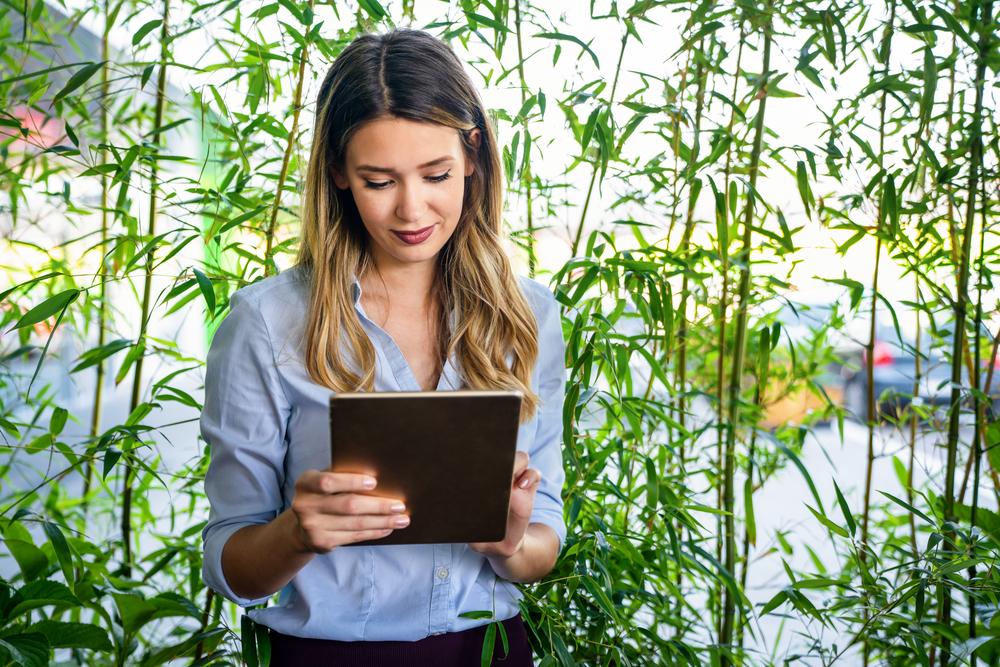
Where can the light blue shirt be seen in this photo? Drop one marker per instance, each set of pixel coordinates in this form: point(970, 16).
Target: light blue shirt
point(267, 422)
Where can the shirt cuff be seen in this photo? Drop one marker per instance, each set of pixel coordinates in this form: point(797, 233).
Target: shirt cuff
point(211, 566)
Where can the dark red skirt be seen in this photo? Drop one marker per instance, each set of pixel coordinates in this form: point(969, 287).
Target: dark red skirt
point(452, 649)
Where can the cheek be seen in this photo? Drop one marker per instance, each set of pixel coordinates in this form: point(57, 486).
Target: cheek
point(454, 195)
point(373, 208)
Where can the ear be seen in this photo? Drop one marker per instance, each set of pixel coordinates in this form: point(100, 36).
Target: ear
point(339, 179)
point(474, 138)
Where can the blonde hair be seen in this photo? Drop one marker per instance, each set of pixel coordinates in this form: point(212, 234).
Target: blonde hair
point(411, 74)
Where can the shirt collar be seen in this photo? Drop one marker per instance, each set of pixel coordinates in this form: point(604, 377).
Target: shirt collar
point(356, 290)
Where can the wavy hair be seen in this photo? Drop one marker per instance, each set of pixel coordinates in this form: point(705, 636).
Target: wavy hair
point(413, 75)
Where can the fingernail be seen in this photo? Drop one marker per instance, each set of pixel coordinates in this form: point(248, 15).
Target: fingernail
point(401, 521)
point(524, 483)
point(368, 483)
point(398, 507)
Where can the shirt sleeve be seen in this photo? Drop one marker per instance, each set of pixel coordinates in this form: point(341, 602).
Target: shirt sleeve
point(546, 450)
point(243, 421)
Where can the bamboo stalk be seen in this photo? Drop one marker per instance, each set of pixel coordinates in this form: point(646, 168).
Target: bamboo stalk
point(739, 348)
point(700, 76)
point(960, 306)
point(885, 51)
point(526, 175)
point(161, 89)
point(95, 415)
point(723, 308)
point(980, 408)
point(269, 266)
point(593, 176)
point(913, 429)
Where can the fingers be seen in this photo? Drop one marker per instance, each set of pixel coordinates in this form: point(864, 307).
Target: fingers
point(521, 460)
point(325, 481)
point(352, 503)
point(529, 478)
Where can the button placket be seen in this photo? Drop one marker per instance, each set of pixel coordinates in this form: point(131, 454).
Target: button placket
point(440, 589)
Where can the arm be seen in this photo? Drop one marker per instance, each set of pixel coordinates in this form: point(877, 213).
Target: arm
point(243, 422)
point(259, 560)
point(533, 560)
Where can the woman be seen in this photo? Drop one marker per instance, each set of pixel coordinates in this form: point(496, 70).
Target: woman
point(401, 285)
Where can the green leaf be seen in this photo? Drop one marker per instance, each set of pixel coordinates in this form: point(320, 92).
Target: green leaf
point(96, 355)
point(489, 640)
point(249, 642)
point(29, 649)
point(652, 485)
point(374, 9)
point(774, 603)
point(47, 308)
point(477, 614)
point(802, 178)
point(571, 38)
point(61, 549)
point(73, 635)
point(30, 558)
point(42, 593)
point(930, 85)
point(823, 519)
point(748, 509)
point(79, 78)
point(486, 20)
point(902, 503)
point(205, 285)
point(145, 29)
point(57, 422)
point(845, 509)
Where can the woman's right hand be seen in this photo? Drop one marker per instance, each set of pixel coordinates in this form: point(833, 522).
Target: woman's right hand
point(331, 511)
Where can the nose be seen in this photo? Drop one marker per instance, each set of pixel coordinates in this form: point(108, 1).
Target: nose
point(410, 206)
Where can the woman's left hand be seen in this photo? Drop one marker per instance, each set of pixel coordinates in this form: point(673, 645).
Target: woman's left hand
point(522, 500)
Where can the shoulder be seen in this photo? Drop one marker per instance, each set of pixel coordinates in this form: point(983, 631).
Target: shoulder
point(540, 297)
point(274, 296)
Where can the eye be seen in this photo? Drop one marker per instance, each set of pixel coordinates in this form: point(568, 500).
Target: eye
point(381, 185)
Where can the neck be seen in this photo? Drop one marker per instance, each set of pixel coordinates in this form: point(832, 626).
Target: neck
point(408, 285)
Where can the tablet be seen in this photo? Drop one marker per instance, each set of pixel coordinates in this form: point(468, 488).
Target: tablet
point(449, 455)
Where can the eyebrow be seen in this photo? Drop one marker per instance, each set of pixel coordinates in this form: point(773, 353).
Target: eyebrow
point(389, 170)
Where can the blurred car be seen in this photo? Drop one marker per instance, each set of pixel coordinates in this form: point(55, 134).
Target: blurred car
point(894, 368)
point(894, 372)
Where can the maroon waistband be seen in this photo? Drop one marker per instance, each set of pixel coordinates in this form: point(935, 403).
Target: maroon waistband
point(451, 649)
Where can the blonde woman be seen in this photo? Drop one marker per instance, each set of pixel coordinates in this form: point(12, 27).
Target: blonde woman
point(401, 284)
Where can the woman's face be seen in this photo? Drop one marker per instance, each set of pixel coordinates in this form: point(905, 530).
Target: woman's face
point(408, 181)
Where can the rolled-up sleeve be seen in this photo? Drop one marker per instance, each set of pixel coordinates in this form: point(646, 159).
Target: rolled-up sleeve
point(546, 450)
point(243, 421)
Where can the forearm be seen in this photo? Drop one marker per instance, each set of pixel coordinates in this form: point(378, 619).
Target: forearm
point(259, 560)
point(535, 559)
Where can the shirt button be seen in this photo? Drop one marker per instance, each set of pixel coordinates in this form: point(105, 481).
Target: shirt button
point(442, 573)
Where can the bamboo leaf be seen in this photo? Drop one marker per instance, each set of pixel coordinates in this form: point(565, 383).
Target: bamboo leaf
point(207, 290)
point(845, 509)
point(145, 29)
point(80, 77)
point(571, 38)
point(748, 509)
point(489, 640)
point(47, 308)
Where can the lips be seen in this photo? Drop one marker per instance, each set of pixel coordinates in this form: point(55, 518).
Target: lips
point(414, 237)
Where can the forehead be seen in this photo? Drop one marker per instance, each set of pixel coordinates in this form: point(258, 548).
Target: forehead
point(401, 143)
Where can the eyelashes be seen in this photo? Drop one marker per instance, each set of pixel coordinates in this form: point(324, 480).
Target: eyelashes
point(381, 185)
